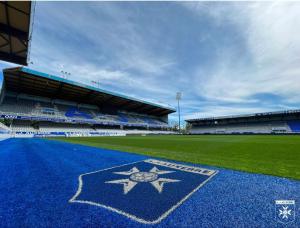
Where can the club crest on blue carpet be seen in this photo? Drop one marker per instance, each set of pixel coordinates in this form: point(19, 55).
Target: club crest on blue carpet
point(146, 191)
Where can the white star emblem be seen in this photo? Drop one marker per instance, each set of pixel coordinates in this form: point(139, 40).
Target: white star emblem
point(135, 177)
point(285, 212)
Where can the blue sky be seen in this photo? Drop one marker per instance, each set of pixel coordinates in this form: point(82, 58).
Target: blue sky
point(225, 57)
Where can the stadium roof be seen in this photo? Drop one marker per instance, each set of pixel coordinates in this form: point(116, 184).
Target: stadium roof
point(25, 80)
point(14, 31)
point(254, 115)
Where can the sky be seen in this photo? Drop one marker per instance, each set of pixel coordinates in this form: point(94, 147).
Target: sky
point(226, 58)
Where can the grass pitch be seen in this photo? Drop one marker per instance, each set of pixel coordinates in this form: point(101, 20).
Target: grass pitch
point(273, 155)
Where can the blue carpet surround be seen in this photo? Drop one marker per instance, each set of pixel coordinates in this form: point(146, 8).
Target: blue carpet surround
point(40, 183)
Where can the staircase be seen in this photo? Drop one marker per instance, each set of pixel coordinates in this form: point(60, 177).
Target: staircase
point(4, 127)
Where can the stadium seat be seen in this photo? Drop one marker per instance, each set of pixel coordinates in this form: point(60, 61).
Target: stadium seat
point(294, 126)
point(63, 117)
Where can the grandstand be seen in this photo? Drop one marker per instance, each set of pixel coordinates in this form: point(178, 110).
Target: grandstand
point(282, 122)
point(38, 104)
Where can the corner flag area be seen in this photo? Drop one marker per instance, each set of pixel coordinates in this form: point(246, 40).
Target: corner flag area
point(47, 183)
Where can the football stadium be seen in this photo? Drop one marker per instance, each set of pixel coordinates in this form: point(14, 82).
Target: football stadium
point(74, 154)
point(281, 122)
point(39, 104)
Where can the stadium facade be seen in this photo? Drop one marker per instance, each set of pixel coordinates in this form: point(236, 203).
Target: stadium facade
point(282, 122)
point(36, 104)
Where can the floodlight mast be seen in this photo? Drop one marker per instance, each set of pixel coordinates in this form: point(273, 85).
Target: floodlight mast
point(178, 98)
point(64, 73)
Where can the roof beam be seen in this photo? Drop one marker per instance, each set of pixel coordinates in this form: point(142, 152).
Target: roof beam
point(58, 91)
point(133, 105)
point(89, 96)
point(7, 27)
point(8, 30)
point(154, 110)
point(127, 102)
point(108, 99)
point(5, 44)
point(139, 106)
point(146, 108)
point(12, 7)
point(163, 112)
point(3, 37)
point(19, 52)
point(12, 58)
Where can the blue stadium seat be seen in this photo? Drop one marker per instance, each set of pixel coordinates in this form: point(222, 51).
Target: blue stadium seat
point(75, 112)
point(294, 125)
point(123, 117)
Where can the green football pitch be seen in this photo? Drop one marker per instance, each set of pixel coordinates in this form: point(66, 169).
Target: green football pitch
point(272, 155)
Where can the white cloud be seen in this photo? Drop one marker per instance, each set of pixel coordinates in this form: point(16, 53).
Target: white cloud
point(272, 35)
point(218, 110)
point(129, 50)
point(113, 49)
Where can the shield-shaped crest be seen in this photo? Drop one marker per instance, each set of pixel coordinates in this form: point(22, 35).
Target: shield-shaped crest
point(285, 211)
point(146, 191)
